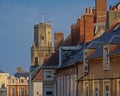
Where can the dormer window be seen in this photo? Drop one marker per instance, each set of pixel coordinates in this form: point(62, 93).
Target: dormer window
point(106, 59)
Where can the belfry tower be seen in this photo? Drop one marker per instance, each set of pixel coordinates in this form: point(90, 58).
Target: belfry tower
point(42, 46)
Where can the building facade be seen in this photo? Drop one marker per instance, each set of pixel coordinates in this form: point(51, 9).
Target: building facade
point(92, 70)
point(3, 83)
point(101, 78)
point(18, 84)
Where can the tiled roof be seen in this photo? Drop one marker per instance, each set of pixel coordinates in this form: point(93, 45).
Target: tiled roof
point(108, 37)
point(38, 76)
point(113, 36)
point(76, 57)
point(53, 61)
point(35, 71)
point(116, 51)
point(23, 74)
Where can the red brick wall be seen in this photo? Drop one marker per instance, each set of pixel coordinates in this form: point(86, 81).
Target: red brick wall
point(101, 9)
point(74, 34)
point(58, 39)
point(82, 29)
point(89, 27)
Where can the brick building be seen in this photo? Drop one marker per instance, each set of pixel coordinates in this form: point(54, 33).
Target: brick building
point(18, 84)
point(71, 70)
point(3, 83)
point(92, 23)
point(92, 67)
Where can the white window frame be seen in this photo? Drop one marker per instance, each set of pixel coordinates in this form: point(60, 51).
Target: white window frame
point(106, 82)
point(94, 86)
point(84, 88)
point(13, 92)
point(106, 57)
point(85, 61)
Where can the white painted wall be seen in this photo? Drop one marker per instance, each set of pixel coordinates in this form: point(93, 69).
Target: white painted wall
point(38, 87)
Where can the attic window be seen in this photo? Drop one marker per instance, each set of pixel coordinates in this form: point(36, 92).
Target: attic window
point(48, 76)
point(106, 62)
point(85, 62)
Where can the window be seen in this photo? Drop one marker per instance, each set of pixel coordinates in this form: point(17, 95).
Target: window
point(36, 60)
point(96, 88)
point(106, 88)
point(75, 85)
point(13, 81)
point(42, 38)
point(106, 62)
point(48, 74)
point(22, 81)
point(85, 62)
point(71, 85)
point(13, 92)
point(118, 87)
point(68, 85)
point(58, 86)
point(86, 88)
point(22, 92)
point(3, 85)
point(49, 93)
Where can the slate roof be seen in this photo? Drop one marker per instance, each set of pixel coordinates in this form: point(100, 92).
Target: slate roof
point(112, 37)
point(1, 71)
point(53, 61)
point(22, 74)
point(116, 51)
point(76, 57)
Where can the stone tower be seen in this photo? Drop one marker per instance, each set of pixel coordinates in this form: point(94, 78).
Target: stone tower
point(101, 9)
point(42, 46)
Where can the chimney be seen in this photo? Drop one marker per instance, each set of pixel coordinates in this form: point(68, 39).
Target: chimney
point(87, 11)
point(58, 39)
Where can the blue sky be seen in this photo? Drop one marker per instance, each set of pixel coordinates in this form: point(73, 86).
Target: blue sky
point(18, 17)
